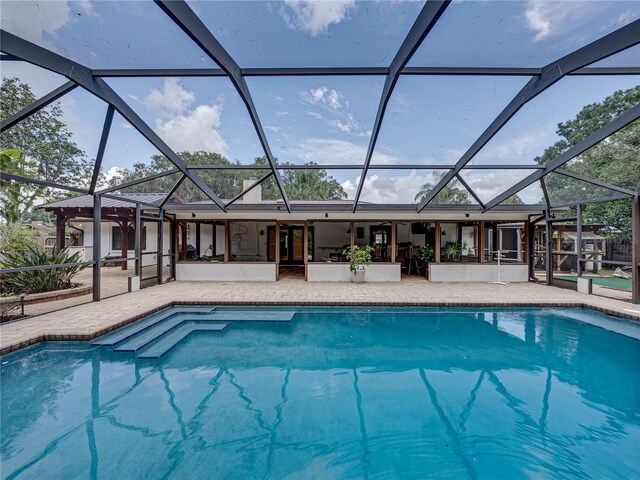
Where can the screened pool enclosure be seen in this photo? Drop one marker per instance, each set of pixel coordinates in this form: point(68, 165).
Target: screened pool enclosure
point(488, 116)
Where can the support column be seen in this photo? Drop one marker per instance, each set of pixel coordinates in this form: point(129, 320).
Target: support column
point(124, 228)
point(481, 242)
point(635, 253)
point(393, 241)
point(437, 243)
point(305, 252)
point(277, 250)
point(174, 246)
point(97, 237)
point(138, 241)
point(160, 249)
point(198, 254)
point(579, 238)
point(60, 236)
point(549, 248)
point(227, 243)
point(530, 234)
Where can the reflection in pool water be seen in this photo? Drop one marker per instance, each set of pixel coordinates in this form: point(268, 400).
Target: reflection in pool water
point(337, 393)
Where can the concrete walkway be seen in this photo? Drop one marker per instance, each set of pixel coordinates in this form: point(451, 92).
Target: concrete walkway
point(84, 322)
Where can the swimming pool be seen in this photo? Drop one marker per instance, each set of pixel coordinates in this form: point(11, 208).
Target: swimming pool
point(330, 392)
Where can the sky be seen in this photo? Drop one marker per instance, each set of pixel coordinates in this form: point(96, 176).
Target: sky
point(328, 120)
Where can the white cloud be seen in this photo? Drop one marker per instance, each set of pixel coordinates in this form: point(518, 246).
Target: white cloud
point(339, 152)
point(180, 125)
point(348, 126)
point(272, 128)
point(314, 17)
point(525, 146)
point(392, 188)
point(323, 96)
point(548, 18)
point(36, 20)
point(489, 184)
point(314, 115)
point(173, 99)
point(197, 130)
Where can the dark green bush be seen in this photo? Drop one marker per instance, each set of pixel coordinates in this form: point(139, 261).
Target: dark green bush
point(37, 281)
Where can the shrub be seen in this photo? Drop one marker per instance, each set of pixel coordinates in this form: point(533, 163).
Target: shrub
point(37, 281)
point(17, 237)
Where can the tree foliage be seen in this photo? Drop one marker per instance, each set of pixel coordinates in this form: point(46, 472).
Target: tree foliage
point(227, 183)
point(47, 152)
point(615, 160)
point(452, 194)
point(17, 237)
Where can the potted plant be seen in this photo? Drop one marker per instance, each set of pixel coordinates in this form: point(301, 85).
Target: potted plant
point(359, 258)
point(427, 254)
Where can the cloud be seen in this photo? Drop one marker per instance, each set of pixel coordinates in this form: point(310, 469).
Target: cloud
point(517, 149)
point(272, 129)
point(348, 126)
point(314, 17)
point(173, 99)
point(338, 152)
point(548, 19)
point(489, 184)
point(394, 187)
point(180, 125)
point(39, 22)
point(197, 130)
point(324, 96)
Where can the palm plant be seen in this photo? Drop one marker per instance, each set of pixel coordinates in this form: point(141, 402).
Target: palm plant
point(37, 281)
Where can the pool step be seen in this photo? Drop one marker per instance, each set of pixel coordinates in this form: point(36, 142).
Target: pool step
point(149, 335)
point(251, 316)
point(171, 339)
point(129, 331)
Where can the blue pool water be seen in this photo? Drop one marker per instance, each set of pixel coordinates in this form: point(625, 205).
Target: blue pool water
point(323, 393)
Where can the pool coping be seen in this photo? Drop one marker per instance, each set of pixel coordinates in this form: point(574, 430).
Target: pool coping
point(46, 337)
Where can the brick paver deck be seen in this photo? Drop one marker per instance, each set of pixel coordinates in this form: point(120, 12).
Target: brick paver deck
point(84, 322)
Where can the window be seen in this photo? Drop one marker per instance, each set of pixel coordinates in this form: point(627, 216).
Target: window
point(116, 238)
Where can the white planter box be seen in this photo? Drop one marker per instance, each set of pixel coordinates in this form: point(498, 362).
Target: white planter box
point(339, 272)
point(460, 272)
point(226, 272)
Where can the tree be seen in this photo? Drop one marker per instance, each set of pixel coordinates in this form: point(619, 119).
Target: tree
point(513, 200)
point(615, 160)
point(47, 152)
point(451, 194)
point(228, 182)
point(312, 185)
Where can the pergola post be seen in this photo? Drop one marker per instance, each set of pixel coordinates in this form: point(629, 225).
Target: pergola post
point(579, 238)
point(97, 239)
point(124, 228)
point(160, 248)
point(635, 254)
point(138, 240)
point(61, 220)
point(548, 248)
point(531, 253)
point(174, 246)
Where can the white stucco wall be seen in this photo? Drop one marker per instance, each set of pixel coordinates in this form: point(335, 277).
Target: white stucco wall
point(447, 272)
point(226, 272)
point(339, 272)
point(106, 242)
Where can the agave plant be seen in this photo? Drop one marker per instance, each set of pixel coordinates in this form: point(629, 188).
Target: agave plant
point(37, 281)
